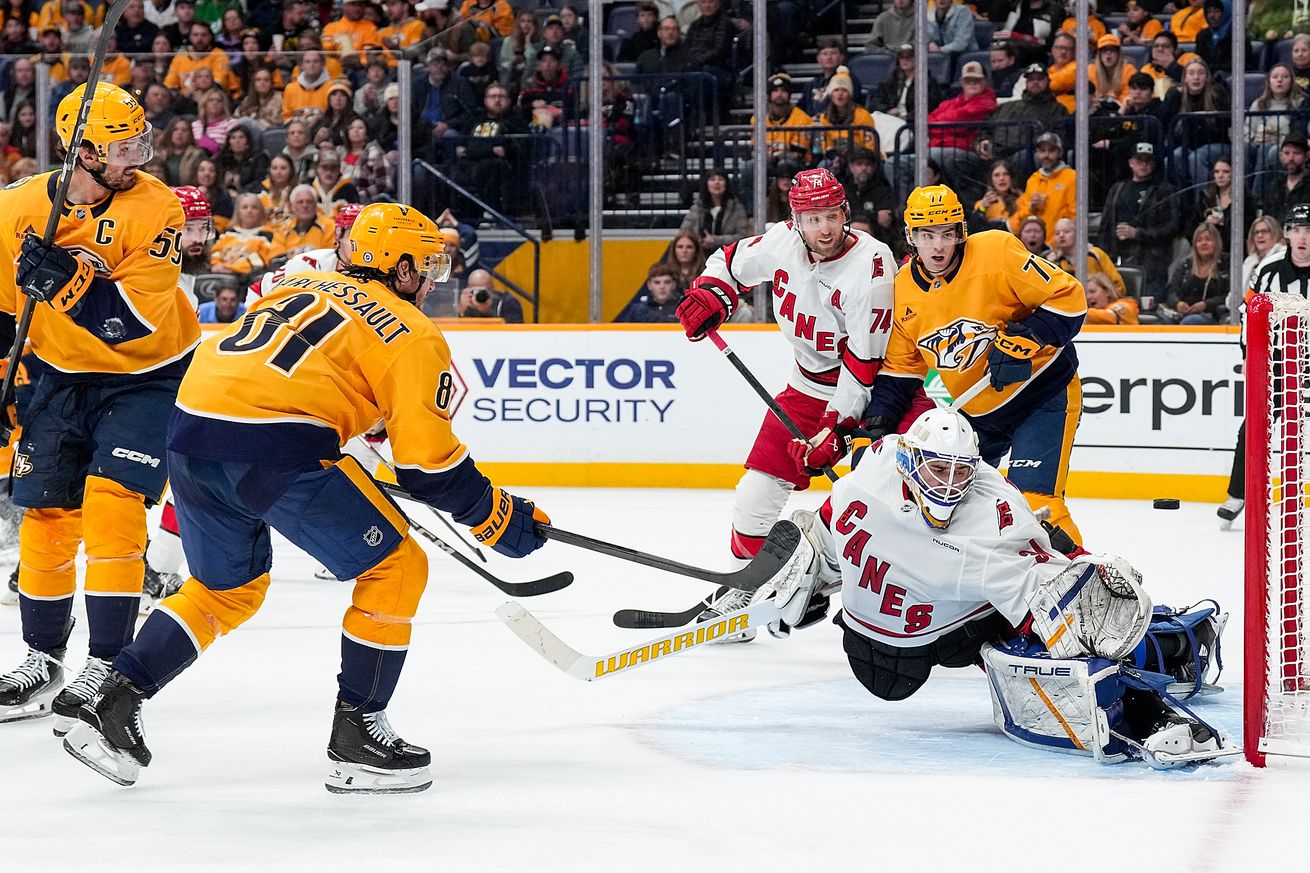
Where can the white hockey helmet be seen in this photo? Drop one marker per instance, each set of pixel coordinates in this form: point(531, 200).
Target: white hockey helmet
point(938, 459)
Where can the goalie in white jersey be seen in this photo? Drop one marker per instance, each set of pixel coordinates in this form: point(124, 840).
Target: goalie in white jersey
point(832, 295)
point(941, 562)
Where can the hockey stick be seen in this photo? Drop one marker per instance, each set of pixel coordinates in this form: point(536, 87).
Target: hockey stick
point(722, 345)
point(477, 553)
point(649, 619)
point(775, 552)
point(112, 14)
point(589, 668)
point(533, 588)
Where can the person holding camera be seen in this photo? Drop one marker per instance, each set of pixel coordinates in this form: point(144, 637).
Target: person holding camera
point(480, 300)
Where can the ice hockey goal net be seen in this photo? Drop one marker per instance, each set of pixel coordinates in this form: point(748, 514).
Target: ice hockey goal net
point(1277, 710)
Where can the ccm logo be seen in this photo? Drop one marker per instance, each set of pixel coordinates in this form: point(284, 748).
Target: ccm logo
point(139, 457)
point(1024, 462)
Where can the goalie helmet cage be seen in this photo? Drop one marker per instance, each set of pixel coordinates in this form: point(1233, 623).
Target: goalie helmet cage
point(1277, 638)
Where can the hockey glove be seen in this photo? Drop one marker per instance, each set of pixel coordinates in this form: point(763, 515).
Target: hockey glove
point(827, 447)
point(708, 304)
point(52, 274)
point(1010, 361)
point(511, 527)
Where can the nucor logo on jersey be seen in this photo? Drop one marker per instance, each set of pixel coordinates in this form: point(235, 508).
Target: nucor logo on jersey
point(958, 345)
point(703, 634)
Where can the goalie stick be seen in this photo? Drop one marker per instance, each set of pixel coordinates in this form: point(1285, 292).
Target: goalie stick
point(532, 588)
point(774, 554)
point(112, 14)
point(528, 628)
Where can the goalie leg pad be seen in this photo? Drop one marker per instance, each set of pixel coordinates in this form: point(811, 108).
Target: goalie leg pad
point(1057, 705)
point(1096, 607)
point(803, 586)
point(1185, 644)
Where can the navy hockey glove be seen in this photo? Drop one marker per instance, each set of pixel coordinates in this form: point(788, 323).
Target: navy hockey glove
point(51, 274)
point(708, 304)
point(1010, 361)
point(511, 527)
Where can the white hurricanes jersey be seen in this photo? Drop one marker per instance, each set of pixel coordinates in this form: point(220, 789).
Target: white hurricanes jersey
point(905, 584)
point(324, 260)
point(837, 313)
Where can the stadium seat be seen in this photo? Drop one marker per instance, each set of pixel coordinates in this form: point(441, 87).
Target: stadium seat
point(872, 68)
point(610, 43)
point(274, 139)
point(622, 21)
point(1137, 55)
point(1132, 281)
point(1252, 84)
point(1282, 53)
point(939, 67)
point(209, 284)
point(982, 31)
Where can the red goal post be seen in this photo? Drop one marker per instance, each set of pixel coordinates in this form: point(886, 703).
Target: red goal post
point(1277, 632)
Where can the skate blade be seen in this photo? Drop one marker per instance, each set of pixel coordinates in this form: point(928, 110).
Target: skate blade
point(37, 708)
point(63, 724)
point(357, 779)
point(9, 598)
point(85, 744)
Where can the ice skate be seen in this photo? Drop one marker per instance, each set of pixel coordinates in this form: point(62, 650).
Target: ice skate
point(729, 600)
point(155, 587)
point(1228, 512)
point(27, 691)
point(1178, 742)
point(9, 596)
point(108, 735)
point(369, 757)
point(78, 693)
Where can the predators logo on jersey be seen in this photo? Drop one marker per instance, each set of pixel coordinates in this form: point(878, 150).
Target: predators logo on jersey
point(958, 345)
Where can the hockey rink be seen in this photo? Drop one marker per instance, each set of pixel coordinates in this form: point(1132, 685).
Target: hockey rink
point(767, 756)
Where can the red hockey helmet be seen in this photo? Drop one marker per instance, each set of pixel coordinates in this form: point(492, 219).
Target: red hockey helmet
point(347, 214)
point(815, 189)
point(194, 205)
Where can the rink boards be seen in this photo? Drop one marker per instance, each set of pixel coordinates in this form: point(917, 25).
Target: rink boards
point(637, 406)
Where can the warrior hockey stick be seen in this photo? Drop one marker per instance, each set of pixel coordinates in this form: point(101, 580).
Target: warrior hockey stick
point(533, 588)
point(589, 668)
point(777, 410)
point(112, 14)
point(477, 553)
point(775, 552)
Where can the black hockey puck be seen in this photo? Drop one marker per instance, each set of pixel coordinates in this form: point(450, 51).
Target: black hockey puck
point(1165, 503)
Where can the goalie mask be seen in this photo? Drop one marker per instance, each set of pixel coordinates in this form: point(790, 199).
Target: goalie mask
point(938, 459)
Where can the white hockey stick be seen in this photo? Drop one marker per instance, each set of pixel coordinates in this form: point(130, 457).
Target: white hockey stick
point(589, 668)
point(969, 393)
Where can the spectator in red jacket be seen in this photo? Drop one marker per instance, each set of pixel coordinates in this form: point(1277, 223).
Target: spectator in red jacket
point(952, 147)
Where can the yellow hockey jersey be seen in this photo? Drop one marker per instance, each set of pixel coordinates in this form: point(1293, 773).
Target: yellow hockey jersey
point(320, 360)
point(134, 318)
point(949, 323)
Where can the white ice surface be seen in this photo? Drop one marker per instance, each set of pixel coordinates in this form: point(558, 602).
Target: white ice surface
point(767, 756)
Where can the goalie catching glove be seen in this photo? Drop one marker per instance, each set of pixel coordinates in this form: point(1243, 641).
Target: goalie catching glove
point(510, 527)
point(708, 304)
point(1095, 607)
point(827, 447)
point(52, 274)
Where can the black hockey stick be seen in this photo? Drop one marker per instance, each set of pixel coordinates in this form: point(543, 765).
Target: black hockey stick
point(533, 588)
point(777, 410)
point(112, 14)
point(477, 553)
point(647, 619)
point(773, 556)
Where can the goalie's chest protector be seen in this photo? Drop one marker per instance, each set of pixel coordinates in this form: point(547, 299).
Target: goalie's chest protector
point(813, 299)
point(905, 584)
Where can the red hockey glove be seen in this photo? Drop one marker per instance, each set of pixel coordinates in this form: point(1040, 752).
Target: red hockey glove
point(708, 304)
point(827, 447)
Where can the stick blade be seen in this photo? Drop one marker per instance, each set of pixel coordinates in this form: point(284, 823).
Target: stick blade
point(538, 638)
point(533, 588)
point(777, 550)
point(643, 619)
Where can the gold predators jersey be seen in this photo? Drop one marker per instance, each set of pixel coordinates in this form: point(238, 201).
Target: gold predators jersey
point(134, 318)
point(949, 323)
point(320, 360)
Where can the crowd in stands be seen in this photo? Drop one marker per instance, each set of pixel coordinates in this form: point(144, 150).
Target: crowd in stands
point(283, 111)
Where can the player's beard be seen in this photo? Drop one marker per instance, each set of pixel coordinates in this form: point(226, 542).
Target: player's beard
point(193, 265)
point(113, 178)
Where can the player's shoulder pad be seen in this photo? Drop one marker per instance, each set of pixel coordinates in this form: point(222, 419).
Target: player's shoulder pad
point(157, 204)
point(18, 183)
